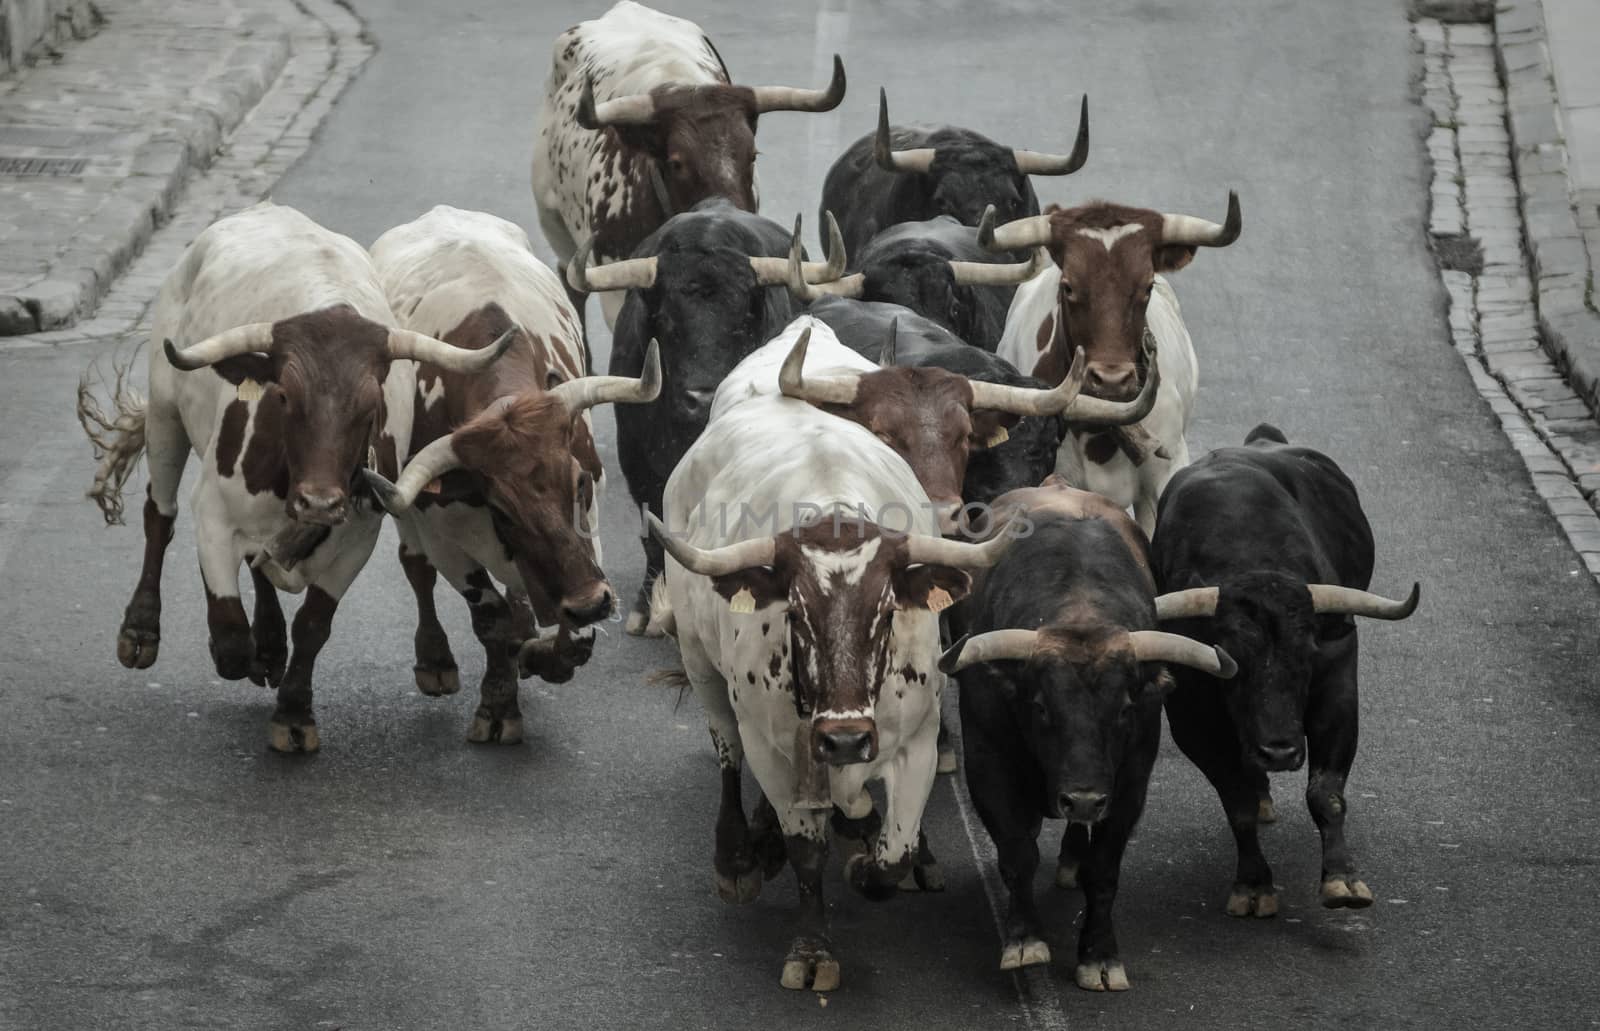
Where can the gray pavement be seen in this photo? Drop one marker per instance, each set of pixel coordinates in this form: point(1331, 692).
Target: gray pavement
point(158, 868)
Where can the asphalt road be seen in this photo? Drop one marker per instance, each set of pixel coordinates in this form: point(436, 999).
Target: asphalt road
point(160, 869)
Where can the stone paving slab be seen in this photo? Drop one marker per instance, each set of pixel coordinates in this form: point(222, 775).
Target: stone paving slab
point(144, 105)
point(1544, 47)
point(1500, 316)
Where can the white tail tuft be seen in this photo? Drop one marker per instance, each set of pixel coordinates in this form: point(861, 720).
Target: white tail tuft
point(661, 614)
point(118, 440)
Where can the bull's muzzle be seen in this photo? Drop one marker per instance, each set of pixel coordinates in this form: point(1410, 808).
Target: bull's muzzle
point(1113, 381)
point(842, 742)
point(1082, 805)
point(590, 605)
point(322, 507)
point(1280, 756)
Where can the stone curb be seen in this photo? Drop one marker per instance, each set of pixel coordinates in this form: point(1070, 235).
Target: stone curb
point(1569, 327)
point(1495, 323)
point(305, 54)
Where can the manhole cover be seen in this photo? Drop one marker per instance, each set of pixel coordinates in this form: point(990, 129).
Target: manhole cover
point(23, 166)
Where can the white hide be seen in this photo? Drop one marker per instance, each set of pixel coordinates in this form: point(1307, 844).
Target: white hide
point(264, 264)
point(436, 271)
point(629, 50)
point(771, 453)
point(1120, 480)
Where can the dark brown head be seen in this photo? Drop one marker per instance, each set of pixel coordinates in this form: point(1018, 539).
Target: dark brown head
point(523, 449)
point(323, 372)
point(840, 579)
point(702, 137)
point(1108, 256)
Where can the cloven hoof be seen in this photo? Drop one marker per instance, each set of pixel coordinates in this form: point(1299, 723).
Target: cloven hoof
point(1103, 976)
point(1247, 900)
point(1029, 952)
point(1344, 891)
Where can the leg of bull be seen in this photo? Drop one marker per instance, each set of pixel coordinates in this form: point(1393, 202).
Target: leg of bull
point(269, 633)
point(766, 839)
point(1331, 735)
point(166, 452)
point(1202, 731)
point(435, 670)
point(1001, 795)
point(639, 622)
point(294, 727)
point(1074, 850)
point(139, 638)
point(1099, 961)
point(738, 868)
point(232, 649)
point(499, 716)
point(810, 962)
point(907, 782)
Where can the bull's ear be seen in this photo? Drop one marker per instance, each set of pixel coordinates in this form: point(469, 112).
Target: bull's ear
point(991, 428)
point(750, 590)
point(1172, 257)
point(1161, 684)
point(934, 588)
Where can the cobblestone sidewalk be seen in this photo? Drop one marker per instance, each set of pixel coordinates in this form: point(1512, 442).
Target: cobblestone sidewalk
point(96, 150)
point(1478, 234)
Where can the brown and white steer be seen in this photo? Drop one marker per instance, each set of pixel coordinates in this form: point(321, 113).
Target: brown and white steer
point(1104, 295)
point(281, 368)
point(933, 418)
point(803, 581)
point(503, 477)
point(641, 120)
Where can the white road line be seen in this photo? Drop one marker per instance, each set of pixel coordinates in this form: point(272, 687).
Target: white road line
point(1036, 987)
point(22, 491)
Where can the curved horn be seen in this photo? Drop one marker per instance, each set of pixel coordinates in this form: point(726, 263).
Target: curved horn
point(1199, 232)
point(588, 391)
point(886, 353)
point(256, 336)
point(635, 109)
point(775, 271)
point(820, 390)
point(1194, 603)
point(1156, 646)
point(983, 273)
point(994, 646)
point(758, 551)
point(1029, 231)
point(425, 466)
point(629, 274)
point(938, 551)
point(1331, 599)
point(849, 286)
point(405, 343)
point(1030, 162)
point(1098, 411)
point(789, 98)
point(918, 159)
point(1029, 401)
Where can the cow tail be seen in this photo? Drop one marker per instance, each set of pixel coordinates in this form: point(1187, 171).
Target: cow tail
point(661, 614)
point(117, 436)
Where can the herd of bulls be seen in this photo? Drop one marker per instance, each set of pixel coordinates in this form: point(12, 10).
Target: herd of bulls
point(910, 460)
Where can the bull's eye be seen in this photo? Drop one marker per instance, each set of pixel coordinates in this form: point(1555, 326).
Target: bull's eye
point(1067, 293)
point(675, 166)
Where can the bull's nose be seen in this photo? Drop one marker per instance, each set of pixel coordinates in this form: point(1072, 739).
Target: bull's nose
point(1279, 756)
point(327, 508)
point(583, 611)
point(840, 742)
point(1114, 381)
point(1085, 806)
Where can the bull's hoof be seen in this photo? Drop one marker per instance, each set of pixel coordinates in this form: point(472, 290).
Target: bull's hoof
point(1266, 811)
point(437, 682)
point(270, 662)
point(1024, 952)
point(1107, 975)
point(488, 729)
point(288, 738)
point(234, 653)
point(810, 965)
point(740, 889)
point(136, 648)
point(1066, 876)
point(871, 881)
point(947, 760)
point(1253, 900)
point(1344, 891)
